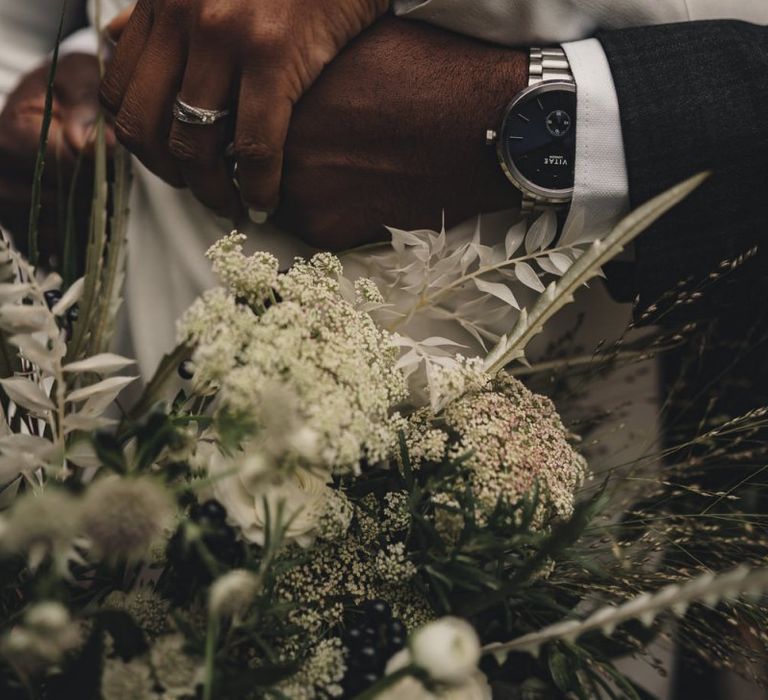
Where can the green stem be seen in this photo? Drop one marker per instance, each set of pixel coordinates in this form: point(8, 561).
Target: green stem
point(210, 652)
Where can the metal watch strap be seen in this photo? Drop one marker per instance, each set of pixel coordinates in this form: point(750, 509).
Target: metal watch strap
point(546, 65)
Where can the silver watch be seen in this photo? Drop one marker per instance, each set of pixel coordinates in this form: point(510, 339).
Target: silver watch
point(536, 142)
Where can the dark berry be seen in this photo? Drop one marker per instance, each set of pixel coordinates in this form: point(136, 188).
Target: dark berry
point(52, 297)
point(187, 370)
point(366, 657)
point(396, 629)
point(377, 610)
point(354, 636)
point(74, 313)
point(211, 510)
point(369, 679)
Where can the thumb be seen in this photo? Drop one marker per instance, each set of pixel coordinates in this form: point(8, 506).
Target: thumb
point(79, 128)
point(77, 90)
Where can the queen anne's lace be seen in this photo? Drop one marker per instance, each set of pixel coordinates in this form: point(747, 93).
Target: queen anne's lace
point(297, 331)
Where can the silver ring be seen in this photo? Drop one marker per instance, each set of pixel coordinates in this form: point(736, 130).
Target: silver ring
point(197, 115)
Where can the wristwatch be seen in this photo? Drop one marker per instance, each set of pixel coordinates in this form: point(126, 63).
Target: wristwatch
point(536, 142)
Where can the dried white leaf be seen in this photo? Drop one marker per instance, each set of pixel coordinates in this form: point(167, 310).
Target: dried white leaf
point(37, 353)
point(107, 387)
point(83, 455)
point(401, 238)
point(514, 239)
point(498, 290)
point(26, 394)
point(70, 298)
point(20, 318)
point(561, 261)
point(542, 232)
point(13, 291)
point(526, 274)
point(105, 363)
point(573, 230)
point(51, 282)
point(80, 421)
point(548, 266)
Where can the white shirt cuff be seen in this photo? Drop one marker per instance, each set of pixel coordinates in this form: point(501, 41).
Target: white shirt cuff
point(601, 187)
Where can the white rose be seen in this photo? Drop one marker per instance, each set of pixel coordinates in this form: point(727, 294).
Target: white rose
point(303, 496)
point(475, 687)
point(447, 649)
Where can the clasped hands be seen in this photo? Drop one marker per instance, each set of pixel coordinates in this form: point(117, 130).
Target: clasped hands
point(341, 121)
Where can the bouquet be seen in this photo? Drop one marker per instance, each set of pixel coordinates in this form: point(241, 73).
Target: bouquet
point(305, 504)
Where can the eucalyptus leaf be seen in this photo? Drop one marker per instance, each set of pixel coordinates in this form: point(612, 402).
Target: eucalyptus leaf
point(70, 298)
point(525, 273)
point(514, 238)
point(107, 387)
point(500, 291)
point(27, 394)
point(104, 363)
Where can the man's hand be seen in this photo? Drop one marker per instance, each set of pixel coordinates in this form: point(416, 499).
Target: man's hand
point(254, 57)
point(75, 109)
point(394, 134)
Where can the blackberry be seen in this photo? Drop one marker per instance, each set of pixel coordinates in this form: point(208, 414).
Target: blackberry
point(209, 512)
point(187, 370)
point(52, 297)
point(371, 638)
point(188, 570)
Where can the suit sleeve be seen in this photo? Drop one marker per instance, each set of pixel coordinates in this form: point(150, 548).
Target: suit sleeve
point(694, 97)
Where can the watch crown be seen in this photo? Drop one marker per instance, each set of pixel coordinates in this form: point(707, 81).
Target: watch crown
point(490, 137)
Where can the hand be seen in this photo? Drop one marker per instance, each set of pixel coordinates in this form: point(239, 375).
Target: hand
point(394, 134)
point(255, 57)
point(72, 132)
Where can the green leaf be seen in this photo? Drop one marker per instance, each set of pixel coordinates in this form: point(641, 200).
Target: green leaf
point(561, 669)
point(37, 182)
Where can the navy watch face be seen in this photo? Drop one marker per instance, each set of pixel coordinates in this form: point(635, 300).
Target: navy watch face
point(538, 139)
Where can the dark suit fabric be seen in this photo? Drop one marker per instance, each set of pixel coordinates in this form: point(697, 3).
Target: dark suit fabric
point(694, 97)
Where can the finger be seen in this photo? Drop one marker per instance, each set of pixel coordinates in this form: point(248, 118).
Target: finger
point(144, 121)
point(126, 57)
point(77, 92)
point(19, 145)
point(116, 27)
point(262, 127)
point(199, 149)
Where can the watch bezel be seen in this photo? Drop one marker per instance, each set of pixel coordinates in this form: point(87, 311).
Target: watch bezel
point(507, 164)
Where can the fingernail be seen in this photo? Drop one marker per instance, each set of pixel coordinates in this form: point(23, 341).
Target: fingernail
point(258, 216)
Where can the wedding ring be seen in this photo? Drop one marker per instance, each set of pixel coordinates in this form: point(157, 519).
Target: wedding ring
point(197, 115)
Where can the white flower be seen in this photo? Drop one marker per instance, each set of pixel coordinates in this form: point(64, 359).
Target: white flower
point(47, 617)
point(474, 687)
point(447, 649)
point(299, 498)
point(47, 634)
point(233, 593)
point(308, 376)
point(125, 517)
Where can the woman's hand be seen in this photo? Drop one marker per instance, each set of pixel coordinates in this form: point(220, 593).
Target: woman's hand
point(253, 57)
point(72, 132)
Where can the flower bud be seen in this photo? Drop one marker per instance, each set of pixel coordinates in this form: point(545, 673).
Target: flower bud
point(233, 593)
point(447, 649)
